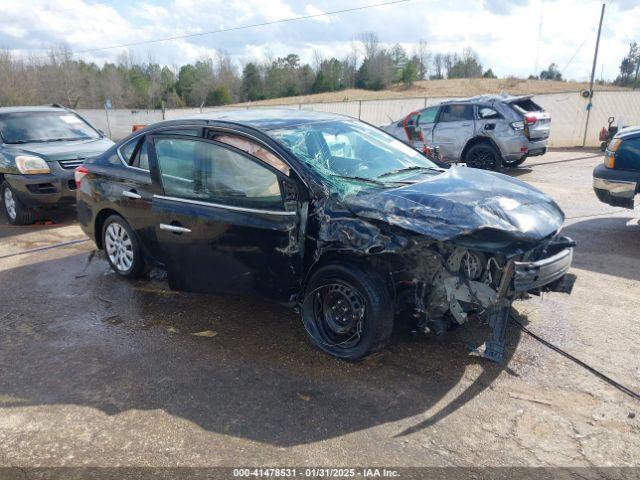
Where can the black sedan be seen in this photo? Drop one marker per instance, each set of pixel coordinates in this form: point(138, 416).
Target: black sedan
point(616, 181)
point(327, 214)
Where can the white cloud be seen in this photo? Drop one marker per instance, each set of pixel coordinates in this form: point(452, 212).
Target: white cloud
point(504, 33)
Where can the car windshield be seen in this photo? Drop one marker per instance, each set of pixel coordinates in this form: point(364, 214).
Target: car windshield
point(27, 127)
point(352, 155)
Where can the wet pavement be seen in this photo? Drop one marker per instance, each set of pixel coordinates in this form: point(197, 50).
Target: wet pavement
point(96, 370)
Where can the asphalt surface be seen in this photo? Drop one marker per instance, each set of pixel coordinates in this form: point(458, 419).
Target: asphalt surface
point(96, 370)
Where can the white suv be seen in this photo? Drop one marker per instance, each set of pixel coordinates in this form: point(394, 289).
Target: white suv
point(488, 131)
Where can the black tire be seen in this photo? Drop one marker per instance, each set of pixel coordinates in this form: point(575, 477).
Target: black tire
point(122, 248)
point(14, 210)
point(483, 156)
point(513, 163)
point(364, 320)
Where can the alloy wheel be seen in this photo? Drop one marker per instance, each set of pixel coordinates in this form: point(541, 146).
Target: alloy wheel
point(482, 159)
point(9, 203)
point(119, 247)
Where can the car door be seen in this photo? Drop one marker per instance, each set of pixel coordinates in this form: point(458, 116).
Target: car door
point(426, 122)
point(227, 222)
point(454, 127)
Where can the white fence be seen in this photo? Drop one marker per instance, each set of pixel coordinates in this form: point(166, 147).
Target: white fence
point(568, 113)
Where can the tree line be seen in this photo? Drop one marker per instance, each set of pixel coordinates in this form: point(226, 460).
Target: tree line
point(60, 78)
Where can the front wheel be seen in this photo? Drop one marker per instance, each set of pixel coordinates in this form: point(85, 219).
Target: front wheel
point(14, 210)
point(483, 156)
point(347, 311)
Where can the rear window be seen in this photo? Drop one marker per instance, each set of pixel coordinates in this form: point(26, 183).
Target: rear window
point(527, 105)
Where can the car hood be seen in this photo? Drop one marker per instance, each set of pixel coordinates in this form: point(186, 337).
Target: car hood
point(54, 151)
point(465, 203)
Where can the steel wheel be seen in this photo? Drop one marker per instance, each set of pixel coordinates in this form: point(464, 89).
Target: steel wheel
point(9, 204)
point(119, 247)
point(339, 313)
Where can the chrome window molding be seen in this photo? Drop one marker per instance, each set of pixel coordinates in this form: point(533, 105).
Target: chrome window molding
point(234, 208)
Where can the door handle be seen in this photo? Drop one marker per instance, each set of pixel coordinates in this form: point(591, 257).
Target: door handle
point(131, 194)
point(174, 228)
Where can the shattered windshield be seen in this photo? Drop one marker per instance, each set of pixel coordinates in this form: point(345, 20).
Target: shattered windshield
point(351, 155)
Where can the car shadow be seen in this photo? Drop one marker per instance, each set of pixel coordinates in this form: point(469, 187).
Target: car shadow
point(116, 345)
point(609, 245)
point(44, 220)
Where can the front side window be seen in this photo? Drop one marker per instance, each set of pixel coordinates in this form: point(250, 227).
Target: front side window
point(428, 115)
point(201, 170)
point(39, 127)
point(456, 113)
point(351, 155)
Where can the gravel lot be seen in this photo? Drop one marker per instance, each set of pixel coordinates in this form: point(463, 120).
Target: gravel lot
point(96, 370)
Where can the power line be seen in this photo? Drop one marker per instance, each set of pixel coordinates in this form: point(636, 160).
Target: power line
point(242, 27)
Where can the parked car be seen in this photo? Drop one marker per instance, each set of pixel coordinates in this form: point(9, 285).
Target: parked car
point(326, 214)
point(488, 131)
point(39, 151)
point(616, 181)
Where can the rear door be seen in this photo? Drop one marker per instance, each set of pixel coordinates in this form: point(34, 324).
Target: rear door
point(226, 221)
point(454, 127)
point(537, 120)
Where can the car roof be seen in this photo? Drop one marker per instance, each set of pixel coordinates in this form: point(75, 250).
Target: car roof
point(44, 108)
point(487, 99)
point(628, 132)
point(262, 118)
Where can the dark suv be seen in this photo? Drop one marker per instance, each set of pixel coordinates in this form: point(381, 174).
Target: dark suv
point(39, 151)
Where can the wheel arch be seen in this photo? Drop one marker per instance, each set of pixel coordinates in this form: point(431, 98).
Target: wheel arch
point(101, 217)
point(477, 140)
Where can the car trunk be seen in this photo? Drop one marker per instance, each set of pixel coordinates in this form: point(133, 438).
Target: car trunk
point(538, 122)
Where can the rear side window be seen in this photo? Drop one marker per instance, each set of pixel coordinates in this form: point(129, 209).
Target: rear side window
point(488, 113)
point(456, 113)
point(201, 170)
point(527, 105)
point(628, 155)
point(135, 152)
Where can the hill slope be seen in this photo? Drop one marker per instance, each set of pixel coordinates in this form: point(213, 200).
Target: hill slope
point(459, 87)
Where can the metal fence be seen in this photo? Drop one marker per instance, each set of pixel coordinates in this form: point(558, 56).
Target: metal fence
point(568, 113)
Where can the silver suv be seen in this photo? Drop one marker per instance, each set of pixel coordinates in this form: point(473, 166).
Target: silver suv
point(487, 131)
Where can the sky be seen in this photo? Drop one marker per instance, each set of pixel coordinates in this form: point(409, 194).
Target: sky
point(513, 37)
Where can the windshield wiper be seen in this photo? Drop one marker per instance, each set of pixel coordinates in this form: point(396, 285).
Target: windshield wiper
point(407, 169)
point(65, 139)
point(361, 179)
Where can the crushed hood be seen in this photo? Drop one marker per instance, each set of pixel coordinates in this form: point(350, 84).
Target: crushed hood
point(463, 201)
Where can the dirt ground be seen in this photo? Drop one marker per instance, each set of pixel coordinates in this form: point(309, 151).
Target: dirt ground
point(96, 370)
point(457, 87)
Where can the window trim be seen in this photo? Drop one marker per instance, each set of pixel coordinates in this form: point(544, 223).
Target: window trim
point(280, 177)
point(234, 208)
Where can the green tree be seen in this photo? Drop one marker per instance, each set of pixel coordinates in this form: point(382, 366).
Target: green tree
point(409, 73)
point(252, 88)
point(489, 74)
point(551, 73)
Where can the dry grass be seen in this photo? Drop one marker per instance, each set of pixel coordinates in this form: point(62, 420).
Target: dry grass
point(443, 88)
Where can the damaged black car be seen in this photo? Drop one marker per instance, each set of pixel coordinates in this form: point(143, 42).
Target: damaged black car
point(329, 215)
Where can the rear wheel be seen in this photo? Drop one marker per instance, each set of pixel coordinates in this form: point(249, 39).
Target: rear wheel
point(483, 156)
point(15, 211)
point(347, 311)
point(121, 247)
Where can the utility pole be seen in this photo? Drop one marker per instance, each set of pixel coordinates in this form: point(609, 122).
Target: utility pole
point(593, 72)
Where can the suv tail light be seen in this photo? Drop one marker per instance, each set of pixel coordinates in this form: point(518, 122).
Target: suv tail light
point(530, 119)
point(79, 174)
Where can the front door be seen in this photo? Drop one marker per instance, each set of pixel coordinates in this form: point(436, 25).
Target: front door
point(455, 126)
point(223, 222)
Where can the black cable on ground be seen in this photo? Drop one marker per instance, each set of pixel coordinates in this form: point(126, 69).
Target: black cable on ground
point(48, 247)
point(589, 368)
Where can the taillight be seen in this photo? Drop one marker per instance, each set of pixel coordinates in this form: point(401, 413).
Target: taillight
point(79, 174)
point(530, 119)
